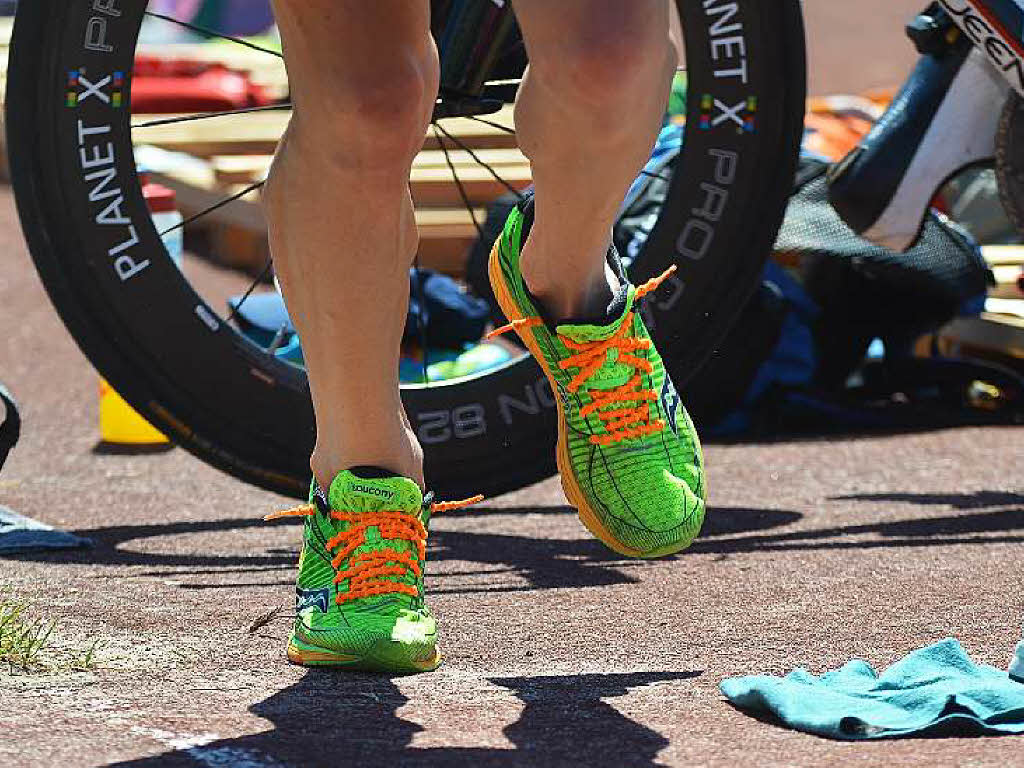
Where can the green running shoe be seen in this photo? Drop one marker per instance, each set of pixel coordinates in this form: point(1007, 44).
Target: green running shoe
point(359, 594)
point(627, 451)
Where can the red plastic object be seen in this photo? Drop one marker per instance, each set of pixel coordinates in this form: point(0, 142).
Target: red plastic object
point(159, 198)
point(167, 86)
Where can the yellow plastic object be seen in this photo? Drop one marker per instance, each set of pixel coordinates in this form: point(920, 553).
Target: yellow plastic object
point(121, 424)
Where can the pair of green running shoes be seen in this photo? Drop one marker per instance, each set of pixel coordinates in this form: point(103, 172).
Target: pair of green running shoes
point(627, 451)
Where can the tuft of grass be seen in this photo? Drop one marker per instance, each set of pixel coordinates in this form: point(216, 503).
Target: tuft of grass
point(26, 644)
point(22, 640)
point(86, 661)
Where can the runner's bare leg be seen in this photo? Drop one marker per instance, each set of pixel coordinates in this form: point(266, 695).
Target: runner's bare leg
point(342, 229)
point(587, 116)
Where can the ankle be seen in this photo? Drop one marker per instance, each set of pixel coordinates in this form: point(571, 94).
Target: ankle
point(567, 292)
point(403, 457)
point(563, 303)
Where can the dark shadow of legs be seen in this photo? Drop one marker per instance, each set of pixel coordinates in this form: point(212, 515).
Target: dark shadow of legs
point(332, 718)
point(533, 563)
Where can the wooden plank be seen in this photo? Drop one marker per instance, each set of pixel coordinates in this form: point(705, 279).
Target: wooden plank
point(196, 194)
point(455, 223)
point(258, 133)
point(252, 134)
point(1004, 255)
point(239, 169)
point(478, 135)
point(435, 186)
point(1006, 263)
point(431, 185)
point(1007, 286)
point(496, 158)
point(1011, 307)
point(445, 233)
point(231, 169)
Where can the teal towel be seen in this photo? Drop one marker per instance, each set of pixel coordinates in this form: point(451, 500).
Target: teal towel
point(936, 690)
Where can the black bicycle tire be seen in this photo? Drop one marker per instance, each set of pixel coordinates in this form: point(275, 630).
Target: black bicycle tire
point(490, 433)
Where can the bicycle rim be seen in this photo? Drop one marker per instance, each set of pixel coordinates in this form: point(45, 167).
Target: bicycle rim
point(174, 357)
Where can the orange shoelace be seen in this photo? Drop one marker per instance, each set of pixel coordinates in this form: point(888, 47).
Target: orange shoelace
point(633, 419)
point(367, 571)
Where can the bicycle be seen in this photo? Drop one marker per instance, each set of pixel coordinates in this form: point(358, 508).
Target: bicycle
point(229, 402)
point(961, 106)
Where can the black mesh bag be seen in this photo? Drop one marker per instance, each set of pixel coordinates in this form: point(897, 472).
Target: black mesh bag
point(866, 291)
point(863, 291)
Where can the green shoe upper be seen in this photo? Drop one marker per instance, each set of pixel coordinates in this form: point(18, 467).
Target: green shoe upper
point(632, 448)
point(360, 585)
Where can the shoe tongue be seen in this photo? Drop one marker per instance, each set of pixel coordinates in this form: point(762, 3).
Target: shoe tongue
point(368, 489)
point(612, 374)
point(600, 328)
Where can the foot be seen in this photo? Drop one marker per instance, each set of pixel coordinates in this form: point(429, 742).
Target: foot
point(628, 453)
point(359, 595)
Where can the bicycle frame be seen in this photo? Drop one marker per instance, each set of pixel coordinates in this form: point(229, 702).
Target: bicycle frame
point(946, 117)
point(997, 28)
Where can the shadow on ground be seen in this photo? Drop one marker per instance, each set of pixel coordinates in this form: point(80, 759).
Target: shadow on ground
point(976, 500)
point(544, 563)
point(974, 528)
point(333, 719)
point(532, 563)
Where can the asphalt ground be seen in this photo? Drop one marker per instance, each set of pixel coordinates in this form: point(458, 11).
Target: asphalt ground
point(558, 652)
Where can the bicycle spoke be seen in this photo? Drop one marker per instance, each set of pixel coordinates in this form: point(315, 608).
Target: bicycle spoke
point(442, 135)
point(491, 123)
point(466, 148)
point(208, 115)
point(458, 182)
point(252, 287)
point(216, 206)
point(214, 35)
point(519, 80)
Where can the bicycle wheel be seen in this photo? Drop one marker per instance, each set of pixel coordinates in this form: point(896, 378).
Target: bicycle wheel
point(229, 402)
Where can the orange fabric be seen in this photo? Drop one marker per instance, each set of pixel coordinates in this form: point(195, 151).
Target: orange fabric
point(835, 125)
point(439, 507)
point(306, 510)
point(631, 421)
point(367, 572)
point(834, 135)
point(515, 325)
